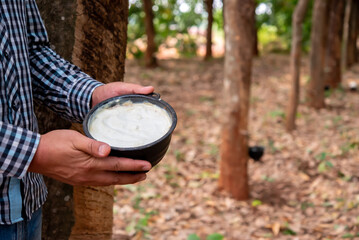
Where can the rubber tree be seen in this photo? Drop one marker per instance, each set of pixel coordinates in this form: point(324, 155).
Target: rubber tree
point(150, 58)
point(209, 7)
point(239, 38)
point(353, 31)
point(332, 73)
point(295, 59)
point(59, 18)
point(92, 35)
point(315, 87)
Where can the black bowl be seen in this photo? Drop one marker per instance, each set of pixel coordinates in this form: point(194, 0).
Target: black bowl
point(152, 152)
point(256, 152)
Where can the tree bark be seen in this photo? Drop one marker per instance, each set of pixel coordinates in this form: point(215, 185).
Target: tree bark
point(315, 88)
point(100, 50)
point(255, 33)
point(237, 79)
point(150, 58)
point(209, 5)
point(353, 34)
point(295, 59)
point(348, 7)
point(59, 19)
point(93, 35)
point(332, 73)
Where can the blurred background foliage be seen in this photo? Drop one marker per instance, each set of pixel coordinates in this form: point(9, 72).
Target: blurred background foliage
point(181, 24)
point(274, 24)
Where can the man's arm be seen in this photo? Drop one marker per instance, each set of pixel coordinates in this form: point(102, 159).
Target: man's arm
point(59, 84)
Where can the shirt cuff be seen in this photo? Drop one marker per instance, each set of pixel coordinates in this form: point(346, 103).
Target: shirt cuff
point(80, 95)
point(18, 147)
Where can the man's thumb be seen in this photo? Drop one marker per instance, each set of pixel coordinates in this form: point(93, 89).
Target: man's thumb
point(98, 149)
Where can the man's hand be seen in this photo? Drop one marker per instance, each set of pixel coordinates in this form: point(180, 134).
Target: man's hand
point(118, 88)
point(70, 157)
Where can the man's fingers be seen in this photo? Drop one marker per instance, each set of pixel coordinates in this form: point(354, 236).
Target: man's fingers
point(144, 90)
point(103, 178)
point(118, 88)
point(121, 164)
point(92, 147)
point(131, 88)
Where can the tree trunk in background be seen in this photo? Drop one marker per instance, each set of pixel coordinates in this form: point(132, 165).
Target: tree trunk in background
point(295, 59)
point(255, 33)
point(237, 79)
point(357, 35)
point(315, 88)
point(353, 34)
point(347, 12)
point(209, 6)
point(100, 50)
point(332, 74)
point(58, 217)
point(150, 57)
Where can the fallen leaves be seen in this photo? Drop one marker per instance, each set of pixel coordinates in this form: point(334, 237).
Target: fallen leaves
point(306, 187)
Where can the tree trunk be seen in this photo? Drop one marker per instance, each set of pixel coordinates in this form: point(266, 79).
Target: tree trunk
point(100, 50)
point(353, 34)
point(356, 45)
point(209, 5)
point(295, 58)
point(237, 79)
point(332, 73)
point(93, 35)
point(150, 57)
point(255, 33)
point(59, 18)
point(347, 12)
point(315, 88)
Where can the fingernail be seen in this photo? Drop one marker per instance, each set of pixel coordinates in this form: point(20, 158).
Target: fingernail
point(146, 167)
point(102, 149)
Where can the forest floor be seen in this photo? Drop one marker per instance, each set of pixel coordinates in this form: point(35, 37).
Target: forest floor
point(305, 187)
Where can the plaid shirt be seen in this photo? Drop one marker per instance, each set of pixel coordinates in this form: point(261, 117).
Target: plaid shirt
point(30, 70)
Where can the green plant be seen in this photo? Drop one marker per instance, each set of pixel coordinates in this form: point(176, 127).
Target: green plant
point(350, 235)
point(179, 155)
point(321, 156)
point(348, 146)
point(344, 177)
point(328, 93)
point(324, 166)
point(256, 203)
point(213, 150)
point(134, 51)
point(271, 146)
point(305, 205)
point(277, 114)
point(268, 179)
point(215, 236)
point(337, 119)
point(193, 236)
point(288, 231)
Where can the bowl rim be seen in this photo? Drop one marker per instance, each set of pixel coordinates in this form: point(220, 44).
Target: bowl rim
point(153, 98)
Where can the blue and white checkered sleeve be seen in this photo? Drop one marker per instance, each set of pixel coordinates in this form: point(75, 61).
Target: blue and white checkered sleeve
point(61, 85)
point(17, 149)
point(57, 83)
